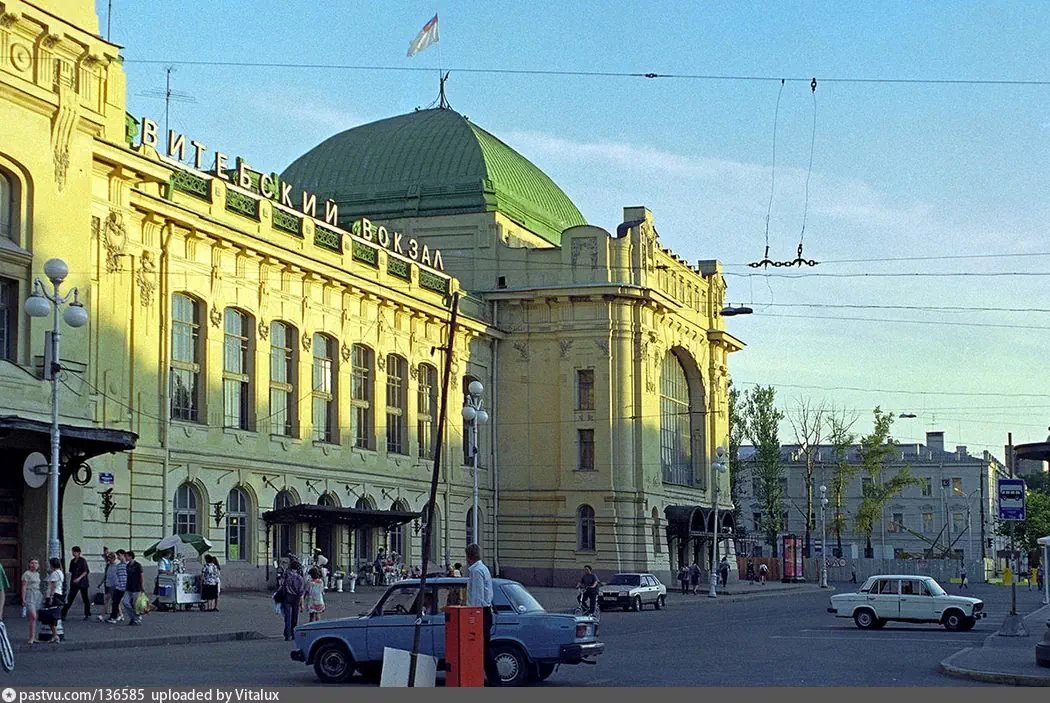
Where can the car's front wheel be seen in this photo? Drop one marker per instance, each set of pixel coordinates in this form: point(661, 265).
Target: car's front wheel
point(333, 663)
point(510, 664)
point(954, 621)
point(864, 619)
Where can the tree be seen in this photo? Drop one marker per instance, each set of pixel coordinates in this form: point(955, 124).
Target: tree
point(841, 436)
point(807, 422)
point(762, 429)
point(875, 449)
point(737, 468)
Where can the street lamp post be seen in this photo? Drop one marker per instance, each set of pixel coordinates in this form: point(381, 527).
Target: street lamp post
point(474, 413)
point(39, 304)
point(823, 538)
point(718, 467)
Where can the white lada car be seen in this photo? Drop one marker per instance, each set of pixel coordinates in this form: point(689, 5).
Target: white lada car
point(906, 599)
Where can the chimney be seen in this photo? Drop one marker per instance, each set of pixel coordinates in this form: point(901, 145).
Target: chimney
point(935, 442)
point(960, 450)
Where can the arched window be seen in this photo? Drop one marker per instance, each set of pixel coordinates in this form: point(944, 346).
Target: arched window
point(362, 372)
point(364, 547)
point(396, 535)
point(324, 392)
point(675, 438)
point(237, 354)
point(396, 404)
point(426, 410)
point(284, 379)
point(585, 528)
point(9, 314)
point(325, 535)
point(468, 432)
point(284, 538)
point(238, 512)
point(187, 510)
point(471, 537)
point(186, 355)
point(8, 206)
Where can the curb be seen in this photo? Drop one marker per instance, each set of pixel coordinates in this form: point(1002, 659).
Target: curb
point(960, 672)
point(160, 641)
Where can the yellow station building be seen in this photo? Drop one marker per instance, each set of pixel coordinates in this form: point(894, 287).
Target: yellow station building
point(262, 362)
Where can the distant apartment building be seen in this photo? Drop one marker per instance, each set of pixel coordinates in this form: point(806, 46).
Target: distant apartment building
point(952, 509)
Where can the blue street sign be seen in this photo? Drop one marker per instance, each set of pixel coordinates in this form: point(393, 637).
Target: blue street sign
point(1011, 499)
point(105, 479)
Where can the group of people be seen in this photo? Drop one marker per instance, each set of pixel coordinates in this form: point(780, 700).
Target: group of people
point(299, 590)
point(691, 577)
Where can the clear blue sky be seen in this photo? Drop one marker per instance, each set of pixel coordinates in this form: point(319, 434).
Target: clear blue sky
point(899, 170)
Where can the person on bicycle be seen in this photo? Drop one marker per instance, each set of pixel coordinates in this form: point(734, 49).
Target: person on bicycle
point(589, 584)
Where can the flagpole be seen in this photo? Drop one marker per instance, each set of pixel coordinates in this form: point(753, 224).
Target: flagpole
point(441, 63)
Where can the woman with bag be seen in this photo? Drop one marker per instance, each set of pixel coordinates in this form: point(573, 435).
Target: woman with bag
point(51, 614)
point(32, 596)
point(210, 583)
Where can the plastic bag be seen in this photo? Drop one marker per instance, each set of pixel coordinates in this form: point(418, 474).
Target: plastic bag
point(277, 609)
point(141, 604)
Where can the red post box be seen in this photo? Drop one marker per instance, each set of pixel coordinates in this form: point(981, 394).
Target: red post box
point(464, 646)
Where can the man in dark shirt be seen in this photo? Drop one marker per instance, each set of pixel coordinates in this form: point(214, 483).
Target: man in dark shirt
point(78, 583)
point(134, 587)
point(589, 584)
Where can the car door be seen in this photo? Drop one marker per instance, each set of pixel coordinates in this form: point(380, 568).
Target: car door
point(916, 601)
point(654, 589)
point(884, 598)
point(649, 583)
point(392, 623)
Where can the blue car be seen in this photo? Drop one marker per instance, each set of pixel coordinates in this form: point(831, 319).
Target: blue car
point(528, 643)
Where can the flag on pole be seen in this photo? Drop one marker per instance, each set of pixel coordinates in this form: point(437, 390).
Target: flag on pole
point(427, 36)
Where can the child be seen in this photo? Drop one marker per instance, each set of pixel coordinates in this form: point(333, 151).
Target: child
point(315, 594)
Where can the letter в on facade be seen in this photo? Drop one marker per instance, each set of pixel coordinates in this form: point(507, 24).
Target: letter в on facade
point(176, 145)
point(198, 154)
point(220, 165)
point(309, 204)
point(331, 213)
point(149, 132)
point(363, 229)
point(286, 195)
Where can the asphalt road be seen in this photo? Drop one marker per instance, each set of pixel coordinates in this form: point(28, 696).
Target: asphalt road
point(788, 640)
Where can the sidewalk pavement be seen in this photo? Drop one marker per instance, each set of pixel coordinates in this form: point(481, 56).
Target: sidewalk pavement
point(249, 615)
point(1004, 660)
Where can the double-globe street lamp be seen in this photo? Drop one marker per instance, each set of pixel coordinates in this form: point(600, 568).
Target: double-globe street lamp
point(474, 413)
point(39, 304)
point(718, 467)
point(823, 538)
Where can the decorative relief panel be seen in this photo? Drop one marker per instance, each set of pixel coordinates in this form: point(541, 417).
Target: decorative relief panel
point(523, 349)
point(146, 278)
point(114, 239)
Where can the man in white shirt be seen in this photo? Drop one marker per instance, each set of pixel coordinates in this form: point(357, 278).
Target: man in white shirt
point(479, 595)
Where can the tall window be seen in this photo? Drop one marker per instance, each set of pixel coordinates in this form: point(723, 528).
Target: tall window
point(362, 361)
point(236, 370)
point(324, 414)
point(585, 448)
point(363, 536)
point(426, 409)
point(585, 389)
point(396, 535)
point(866, 486)
point(927, 487)
point(396, 404)
point(957, 487)
point(185, 358)
point(675, 442)
point(284, 539)
point(958, 523)
point(896, 523)
point(186, 510)
point(927, 523)
point(8, 316)
point(284, 374)
point(7, 206)
point(585, 528)
point(237, 525)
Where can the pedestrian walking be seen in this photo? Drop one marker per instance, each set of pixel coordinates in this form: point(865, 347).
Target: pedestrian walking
point(479, 595)
point(852, 573)
point(78, 583)
point(109, 560)
point(32, 596)
point(964, 583)
point(55, 599)
point(1040, 576)
point(117, 582)
point(133, 588)
point(694, 576)
point(289, 596)
point(683, 578)
point(763, 571)
point(314, 600)
point(751, 570)
point(210, 579)
point(723, 571)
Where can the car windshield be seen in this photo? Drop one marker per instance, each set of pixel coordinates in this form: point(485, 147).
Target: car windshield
point(519, 597)
point(625, 580)
point(935, 588)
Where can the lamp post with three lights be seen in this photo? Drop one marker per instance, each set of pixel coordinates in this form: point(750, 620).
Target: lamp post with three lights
point(474, 413)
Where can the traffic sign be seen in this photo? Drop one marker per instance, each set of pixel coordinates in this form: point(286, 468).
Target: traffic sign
point(1011, 499)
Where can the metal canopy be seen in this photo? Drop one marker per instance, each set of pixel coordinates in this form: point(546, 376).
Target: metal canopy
point(1039, 451)
point(334, 515)
point(77, 441)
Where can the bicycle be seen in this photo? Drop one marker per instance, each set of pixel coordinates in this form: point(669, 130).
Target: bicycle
point(582, 609)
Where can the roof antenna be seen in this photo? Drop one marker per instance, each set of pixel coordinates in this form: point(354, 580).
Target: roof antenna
point(442, 100)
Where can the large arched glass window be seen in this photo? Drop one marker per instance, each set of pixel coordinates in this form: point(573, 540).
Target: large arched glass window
point(238, 513)
point(324, 408)
point(186, 354)
point(187, 510)
point(362, 379)
point(8, 206)
point(396, 534)
point(426, 410)
point(396, 404)
point(363, 542)
point(284, 377)
point(585, 528)
point(284, 539)
point(675, 438)
point(237, 354)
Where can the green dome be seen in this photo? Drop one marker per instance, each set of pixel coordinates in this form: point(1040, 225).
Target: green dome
point(431, 162)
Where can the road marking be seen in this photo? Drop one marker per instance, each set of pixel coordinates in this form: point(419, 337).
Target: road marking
point(862, 637)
